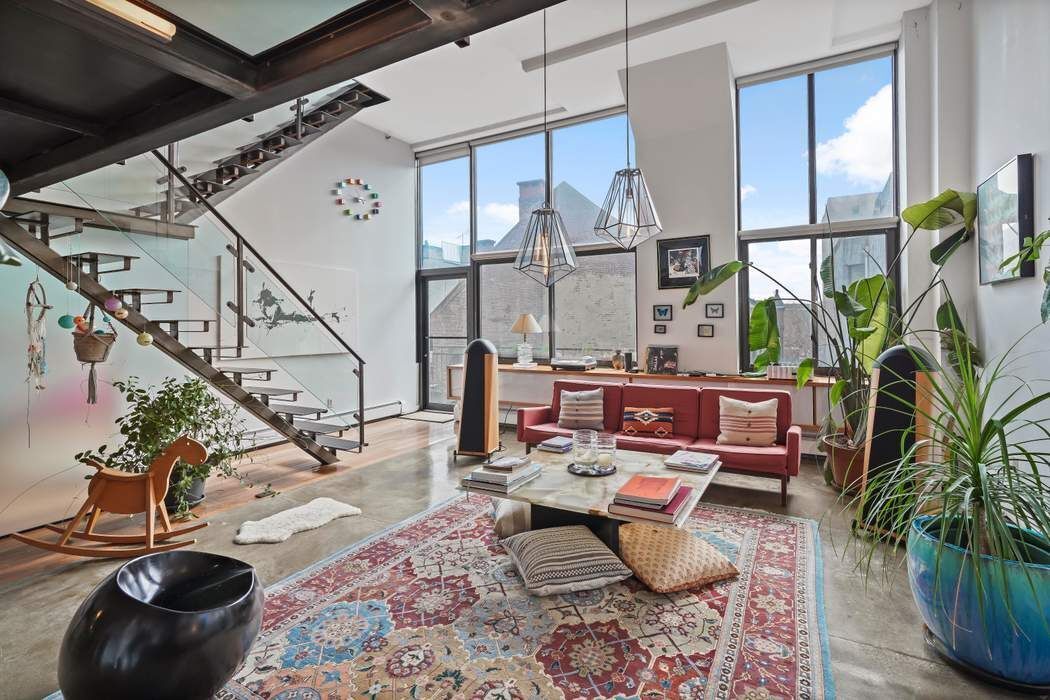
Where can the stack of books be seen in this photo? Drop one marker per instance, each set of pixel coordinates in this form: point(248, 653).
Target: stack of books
point(558, 444)
point(503, 475)
point(686, 461)
point(662, 499)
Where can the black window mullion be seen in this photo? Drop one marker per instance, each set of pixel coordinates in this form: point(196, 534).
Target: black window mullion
point(811, 145)
point(814, 296)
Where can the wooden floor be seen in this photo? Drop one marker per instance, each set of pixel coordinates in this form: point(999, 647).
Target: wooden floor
point(284, 467)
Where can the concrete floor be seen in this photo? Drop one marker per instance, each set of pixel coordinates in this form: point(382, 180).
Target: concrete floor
point(877, 650)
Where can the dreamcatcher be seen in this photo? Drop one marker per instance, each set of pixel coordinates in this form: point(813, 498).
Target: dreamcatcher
point(36, 309)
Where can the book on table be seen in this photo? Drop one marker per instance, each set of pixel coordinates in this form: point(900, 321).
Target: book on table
point(470, 482)
point(502, 478)
point(692, 461)
point(652, 491)
point(558, 443)
point(508, 463)
point(675, 512)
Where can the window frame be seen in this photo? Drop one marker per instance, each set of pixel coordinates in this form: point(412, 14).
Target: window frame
point(814, 231)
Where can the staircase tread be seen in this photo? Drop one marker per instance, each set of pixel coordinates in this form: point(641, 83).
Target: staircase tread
point(145, 290)
point(245, 370)
point(337, 443)
point(270, 390)
point(182, 320)
point(100, 257)
point(310, 426)
point(294, 410)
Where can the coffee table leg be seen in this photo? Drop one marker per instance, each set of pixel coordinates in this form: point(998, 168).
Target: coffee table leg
point(606, 529)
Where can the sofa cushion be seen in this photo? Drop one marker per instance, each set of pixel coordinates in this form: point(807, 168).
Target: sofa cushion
point(539, 433)
point(648, 421)
point(563, 560)
point(745, 423)
point(612, 399)
point(581, 410)
point(668, 559)
point(683, 399)
point(650, 443)
point(772, 459)
point(709, 408)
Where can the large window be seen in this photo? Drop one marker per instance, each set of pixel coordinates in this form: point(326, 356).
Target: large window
point(510, 184)
point(444, 213)
point(594, 307)
point(505, 294)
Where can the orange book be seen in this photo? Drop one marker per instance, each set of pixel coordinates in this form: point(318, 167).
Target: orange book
point(653, 490)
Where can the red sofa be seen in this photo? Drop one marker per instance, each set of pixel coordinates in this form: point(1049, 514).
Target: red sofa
point(695, 425)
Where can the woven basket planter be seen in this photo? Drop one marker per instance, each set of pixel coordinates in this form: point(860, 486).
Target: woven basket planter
point(93, 347)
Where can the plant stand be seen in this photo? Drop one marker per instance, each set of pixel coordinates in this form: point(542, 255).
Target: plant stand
point(980, 674)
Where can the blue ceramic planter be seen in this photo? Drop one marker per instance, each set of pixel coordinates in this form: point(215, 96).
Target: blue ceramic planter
point(1014, 649)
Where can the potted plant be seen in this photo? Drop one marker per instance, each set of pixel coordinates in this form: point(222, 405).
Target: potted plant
point(973, 498)
point(159, 415)
point(857, 321)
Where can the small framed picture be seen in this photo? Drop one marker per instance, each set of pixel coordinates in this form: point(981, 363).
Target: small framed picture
point(705, 330)
point(714, 310)
point(661, 359)
point(681, 260)
point(659, 329)
point(663, 312)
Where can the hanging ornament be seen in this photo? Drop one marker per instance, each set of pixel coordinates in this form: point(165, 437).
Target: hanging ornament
point(113, 303)
point(71, 286)
point(36, 309)
point(144, 339)
point(92, 347)
point(66, 321)
point(120, 314)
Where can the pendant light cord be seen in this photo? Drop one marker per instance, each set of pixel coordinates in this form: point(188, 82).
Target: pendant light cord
point(627, 81)
point(547, 184)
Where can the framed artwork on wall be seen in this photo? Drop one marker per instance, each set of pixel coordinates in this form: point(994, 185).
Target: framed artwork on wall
point(663, 312)
point(717, 310)
point(681, 260)
point(659, 329)
point(1005, 216)
point(661, 359)
point(705, 330)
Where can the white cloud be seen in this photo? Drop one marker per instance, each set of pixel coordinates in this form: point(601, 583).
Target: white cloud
point(504, 213)
point(864, 151)
point(460, 207)
point(746, 191)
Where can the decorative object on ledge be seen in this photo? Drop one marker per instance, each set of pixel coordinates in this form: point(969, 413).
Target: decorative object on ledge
point(525, 324)
point(1005, 218)
point(705, 330)
point(661, 359)
point(627, 216)
point(546, 254)
point(663, 312)
point(681, 261)
point(617, 361)
point(165, 626)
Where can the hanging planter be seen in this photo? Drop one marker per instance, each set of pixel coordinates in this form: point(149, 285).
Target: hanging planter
point(91, 346)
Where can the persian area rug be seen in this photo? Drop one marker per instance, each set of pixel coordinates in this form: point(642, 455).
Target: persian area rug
point(433, 608)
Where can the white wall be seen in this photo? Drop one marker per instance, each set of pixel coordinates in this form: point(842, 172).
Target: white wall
point(290, 216)
point(682, 115)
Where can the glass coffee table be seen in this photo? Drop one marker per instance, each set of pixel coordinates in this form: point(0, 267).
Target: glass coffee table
point(557, 497)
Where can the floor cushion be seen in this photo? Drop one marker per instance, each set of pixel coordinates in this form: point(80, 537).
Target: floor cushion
point(668, 559)
point(511, 517)
point(581, 410)
point(563, 559)
point(744, 423)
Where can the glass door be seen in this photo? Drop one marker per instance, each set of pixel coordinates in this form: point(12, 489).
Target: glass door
point(443, 335)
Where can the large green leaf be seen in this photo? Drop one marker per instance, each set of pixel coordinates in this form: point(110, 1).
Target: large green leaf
point(835, 395)
point(1044, 308)
point(805, 371)
point(948, 318)
point(711, 280)
point(871, 328)
point(1030, 250)
point(943, 210)
point(827, 276)
point(940, 253)
point(763, 335)
point(846, 305)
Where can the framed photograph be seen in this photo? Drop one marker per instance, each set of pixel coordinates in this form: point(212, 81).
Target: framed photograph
point(659, 329)
point(705, 330)
point(681, 260)
point(1005, 217)
point(661, 359)
point(663, 312)
point(714, 311)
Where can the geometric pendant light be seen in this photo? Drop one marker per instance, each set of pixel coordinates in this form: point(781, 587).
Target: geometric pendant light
point(628, 216)
point(546, 254)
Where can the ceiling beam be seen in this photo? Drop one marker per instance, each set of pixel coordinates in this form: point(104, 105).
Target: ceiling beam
point(187, 54)
point(50, 117)
point(287, 78)
point(654, 26)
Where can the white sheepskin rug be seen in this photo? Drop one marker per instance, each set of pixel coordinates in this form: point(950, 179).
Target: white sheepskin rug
point(280, 526)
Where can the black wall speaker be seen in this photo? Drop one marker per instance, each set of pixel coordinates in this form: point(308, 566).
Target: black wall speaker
point(479, 410)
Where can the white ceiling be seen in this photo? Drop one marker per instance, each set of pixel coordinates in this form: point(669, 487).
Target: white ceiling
point(451, 90)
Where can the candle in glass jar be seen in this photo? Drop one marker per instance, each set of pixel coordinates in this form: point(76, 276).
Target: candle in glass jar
point(605, 459)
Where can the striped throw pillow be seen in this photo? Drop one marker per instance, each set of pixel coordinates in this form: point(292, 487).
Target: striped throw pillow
point(581, 410)
point(648, 421)
point(563, 560)
point(743, 423)
point(510, 517)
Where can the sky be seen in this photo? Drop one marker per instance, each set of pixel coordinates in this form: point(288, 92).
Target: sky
point(854, 154)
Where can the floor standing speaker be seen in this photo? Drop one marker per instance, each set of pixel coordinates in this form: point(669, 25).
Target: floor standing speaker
point(899, 407)
point(479, 411)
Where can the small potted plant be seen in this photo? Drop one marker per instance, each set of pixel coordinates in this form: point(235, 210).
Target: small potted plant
point(159, 415)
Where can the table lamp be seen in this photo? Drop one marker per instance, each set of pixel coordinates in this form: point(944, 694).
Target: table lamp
point(525, 324)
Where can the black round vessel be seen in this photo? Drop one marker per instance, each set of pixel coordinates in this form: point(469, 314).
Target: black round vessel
point(167, 625)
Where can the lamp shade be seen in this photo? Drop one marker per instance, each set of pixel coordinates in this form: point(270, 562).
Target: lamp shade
point(546, 255)
point(526, 323)
point(628, 216)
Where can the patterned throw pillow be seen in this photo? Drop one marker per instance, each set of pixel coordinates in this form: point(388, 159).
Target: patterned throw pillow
point(743, 423)
point(511, 517)
point(581, 409)
point(668, 559)
point(648, 421)
point(563, 560)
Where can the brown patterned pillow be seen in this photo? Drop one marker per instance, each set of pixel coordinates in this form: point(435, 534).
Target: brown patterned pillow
point(668, 559)
point(743, 423)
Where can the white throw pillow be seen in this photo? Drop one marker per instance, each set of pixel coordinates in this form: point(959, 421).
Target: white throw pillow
point(511, 517)
point(743, 423)
point(581, 410)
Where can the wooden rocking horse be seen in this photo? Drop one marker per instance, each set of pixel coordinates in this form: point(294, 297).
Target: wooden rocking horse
point(114, 491)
